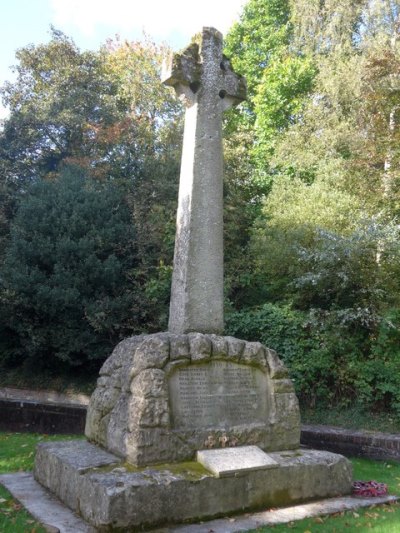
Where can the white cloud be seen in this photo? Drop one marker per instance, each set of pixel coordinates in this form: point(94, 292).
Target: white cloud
point(158, 18)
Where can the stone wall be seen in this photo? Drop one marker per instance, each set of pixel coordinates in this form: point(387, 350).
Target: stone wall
point(351, 442)
point(36, 417)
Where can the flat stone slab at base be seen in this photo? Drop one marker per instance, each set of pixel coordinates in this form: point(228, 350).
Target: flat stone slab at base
point(280, 516)
point(44, 507)
point(234, 461)
point(48, 510)
point(110, 494)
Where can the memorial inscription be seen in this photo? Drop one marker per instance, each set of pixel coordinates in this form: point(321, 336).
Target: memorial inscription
point(218, 394)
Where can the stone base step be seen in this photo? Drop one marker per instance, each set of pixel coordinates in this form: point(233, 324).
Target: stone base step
point(110, 494)
point(50, 511)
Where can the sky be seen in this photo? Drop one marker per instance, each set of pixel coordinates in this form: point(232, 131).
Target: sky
point(91, 22)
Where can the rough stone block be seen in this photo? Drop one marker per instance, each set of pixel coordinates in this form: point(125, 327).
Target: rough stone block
point(235, 348)
point(200, 347)
point(179, 347)
point(219, 346)
point(194, 390)
point(254, 353)
point(277, 368)
point(153, 352)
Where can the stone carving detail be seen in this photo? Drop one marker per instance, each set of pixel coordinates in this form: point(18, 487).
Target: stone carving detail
point(131, 413)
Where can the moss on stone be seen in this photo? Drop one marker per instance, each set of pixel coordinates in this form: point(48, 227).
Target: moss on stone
point(189, 470)
point(291, 454)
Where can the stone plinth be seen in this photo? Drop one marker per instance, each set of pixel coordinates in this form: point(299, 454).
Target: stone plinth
point(111, 495)
point(161, 398)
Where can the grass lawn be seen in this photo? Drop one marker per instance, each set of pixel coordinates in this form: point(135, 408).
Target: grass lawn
point(17, 453)
point(380, 519)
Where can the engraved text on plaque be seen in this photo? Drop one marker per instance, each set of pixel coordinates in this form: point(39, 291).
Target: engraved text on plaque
point(218, 394)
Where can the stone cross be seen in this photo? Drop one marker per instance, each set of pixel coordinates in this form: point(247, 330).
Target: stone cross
point(203, 78)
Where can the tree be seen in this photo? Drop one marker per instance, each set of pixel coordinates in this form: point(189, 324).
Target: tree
point(348, 130)
point(262, 32)
point(278, 79)
point(68, 278)
point(341, 141)
point(277, 84)
point(59, 93)
point(104, 111)
point(322, 134)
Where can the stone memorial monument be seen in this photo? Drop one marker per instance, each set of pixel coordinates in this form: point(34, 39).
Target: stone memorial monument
point(204, 80)
point(190, 424)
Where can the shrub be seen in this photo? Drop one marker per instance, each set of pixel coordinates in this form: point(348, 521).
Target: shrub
point(331, 362)
point(301, 347)
point(67, 282)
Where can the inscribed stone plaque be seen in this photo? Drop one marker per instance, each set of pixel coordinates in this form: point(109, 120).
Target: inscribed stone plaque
point(218, 394)
point(230, 461)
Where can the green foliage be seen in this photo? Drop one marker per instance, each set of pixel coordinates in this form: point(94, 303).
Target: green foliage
point(68, 277)
point(324, 113)
point(242, 204)
point(303, 349)
point(84, 263)
point(58, 94)
point(382, 380)
point(357, 272)
point(280, 99)
point(277, 84)
point(331, 362)
point(321, 256)
point(290, 221)
point(326, 27)
point(278, 327)
point(278, 80)
point(73, 106)
point(263, 30)
point(103, 111)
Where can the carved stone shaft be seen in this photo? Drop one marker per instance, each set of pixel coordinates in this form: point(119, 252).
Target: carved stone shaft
point(203, 78)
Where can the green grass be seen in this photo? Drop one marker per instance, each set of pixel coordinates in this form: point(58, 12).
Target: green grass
point(380, 518)
point(17, 454)
point(352, 417)
point(17, 450)
point(14, 518)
